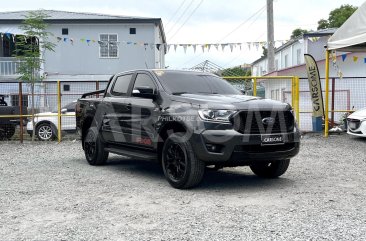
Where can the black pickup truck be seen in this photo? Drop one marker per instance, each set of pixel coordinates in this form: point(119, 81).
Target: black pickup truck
point(186, 121)
point(8, 124)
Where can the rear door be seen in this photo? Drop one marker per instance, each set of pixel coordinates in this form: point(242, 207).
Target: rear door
point(114, 109)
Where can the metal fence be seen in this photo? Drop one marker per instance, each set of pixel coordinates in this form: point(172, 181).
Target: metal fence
point(346, 95)
point(54, 106)
point(55, 102)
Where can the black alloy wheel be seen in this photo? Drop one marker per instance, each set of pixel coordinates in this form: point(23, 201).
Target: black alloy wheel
point(176, 161)
point(94, 148)
point(181, 167)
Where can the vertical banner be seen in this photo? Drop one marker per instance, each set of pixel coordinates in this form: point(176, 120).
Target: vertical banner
point(314, 86)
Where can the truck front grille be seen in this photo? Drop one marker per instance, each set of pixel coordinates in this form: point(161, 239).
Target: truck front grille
point(264, 122)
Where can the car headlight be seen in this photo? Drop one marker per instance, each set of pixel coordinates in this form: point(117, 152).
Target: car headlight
point(216, 115)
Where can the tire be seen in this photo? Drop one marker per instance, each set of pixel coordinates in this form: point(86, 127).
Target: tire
point(181, 167)
point(94, 148)
point(270, 169)
point(45, 132)
point(7, 131)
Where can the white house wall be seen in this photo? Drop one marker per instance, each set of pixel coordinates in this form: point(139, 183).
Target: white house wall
point(316, 48)
point(81, 58)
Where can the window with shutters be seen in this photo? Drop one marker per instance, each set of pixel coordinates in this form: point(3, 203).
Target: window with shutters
point(108, 46)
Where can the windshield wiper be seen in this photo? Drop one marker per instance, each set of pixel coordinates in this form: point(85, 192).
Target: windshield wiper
point(179, 93)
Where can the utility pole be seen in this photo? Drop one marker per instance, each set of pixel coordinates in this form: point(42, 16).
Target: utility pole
point(270, 37)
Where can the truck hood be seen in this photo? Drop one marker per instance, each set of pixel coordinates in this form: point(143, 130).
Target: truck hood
point(235, 102)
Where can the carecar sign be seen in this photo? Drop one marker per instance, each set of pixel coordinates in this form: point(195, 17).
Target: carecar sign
point(272, 139)
point(314, 86)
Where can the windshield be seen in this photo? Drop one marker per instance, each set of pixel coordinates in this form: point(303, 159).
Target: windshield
point(195, 83)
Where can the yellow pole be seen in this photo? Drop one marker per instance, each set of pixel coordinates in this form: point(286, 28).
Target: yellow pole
point(254, 86)
point(59, 111)
point(293, 93)
point(297, 97)
point(326, 93)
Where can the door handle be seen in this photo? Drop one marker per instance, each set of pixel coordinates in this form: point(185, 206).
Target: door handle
point(129, 106)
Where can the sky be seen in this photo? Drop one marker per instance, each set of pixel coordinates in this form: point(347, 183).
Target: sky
point(205, 21)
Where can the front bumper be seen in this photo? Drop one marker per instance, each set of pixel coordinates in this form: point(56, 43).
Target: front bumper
point(234, 148)
point(359, 130)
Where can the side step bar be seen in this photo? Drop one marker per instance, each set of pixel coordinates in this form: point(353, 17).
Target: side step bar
point(139, 154)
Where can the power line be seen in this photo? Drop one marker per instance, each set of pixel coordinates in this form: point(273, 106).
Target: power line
point(180, 17)
point(236, 57)
point(241, 24)
point(175, 13)
point(194, 10)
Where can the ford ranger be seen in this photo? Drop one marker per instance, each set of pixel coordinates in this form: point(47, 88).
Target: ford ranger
point(186, 121)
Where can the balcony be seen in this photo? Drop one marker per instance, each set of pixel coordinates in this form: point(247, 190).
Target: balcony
point(8, 68)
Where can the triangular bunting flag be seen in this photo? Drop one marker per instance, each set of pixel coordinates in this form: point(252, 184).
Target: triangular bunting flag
point(203, 48)
point(344, 56)
point(223, 46)
point(175, 47)
point(185, 48)
point(158, 46)
point(217, 46)
point(256, 45)
point(194, 48)
point(355, 58)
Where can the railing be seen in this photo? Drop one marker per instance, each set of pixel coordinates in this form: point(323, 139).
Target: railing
point(9, 66)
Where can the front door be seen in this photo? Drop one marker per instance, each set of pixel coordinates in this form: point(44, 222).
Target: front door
point(143, 113)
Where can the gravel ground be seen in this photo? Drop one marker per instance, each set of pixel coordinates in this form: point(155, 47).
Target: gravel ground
point(49, 192)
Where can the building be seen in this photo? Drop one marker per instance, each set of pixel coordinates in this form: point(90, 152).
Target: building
point(348, 70)
point(89, 47)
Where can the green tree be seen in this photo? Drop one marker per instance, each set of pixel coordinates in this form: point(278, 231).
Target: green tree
point(30, 49)
point(323, 24)
point(337, 17)
point(298, 32)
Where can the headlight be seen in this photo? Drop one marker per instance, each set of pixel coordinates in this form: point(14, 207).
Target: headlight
point(216, 115)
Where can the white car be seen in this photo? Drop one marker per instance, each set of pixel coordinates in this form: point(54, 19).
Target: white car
point(46, 123)
point(356, 123)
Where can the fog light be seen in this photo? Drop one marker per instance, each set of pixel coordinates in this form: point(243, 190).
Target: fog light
point(213, 148)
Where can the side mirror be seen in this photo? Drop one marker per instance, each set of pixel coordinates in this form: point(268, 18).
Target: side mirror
point(63, 111)
point(144, 92)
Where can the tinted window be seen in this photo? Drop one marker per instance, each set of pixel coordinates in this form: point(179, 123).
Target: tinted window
point(121, 84)
point(143, 80)
point(70, 107)
point(195, 83)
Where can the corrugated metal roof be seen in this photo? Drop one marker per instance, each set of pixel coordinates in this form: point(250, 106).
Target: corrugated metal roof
point(64, 15)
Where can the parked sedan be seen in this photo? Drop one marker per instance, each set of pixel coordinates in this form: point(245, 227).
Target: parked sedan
point(46, 123)
point(356, 123)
